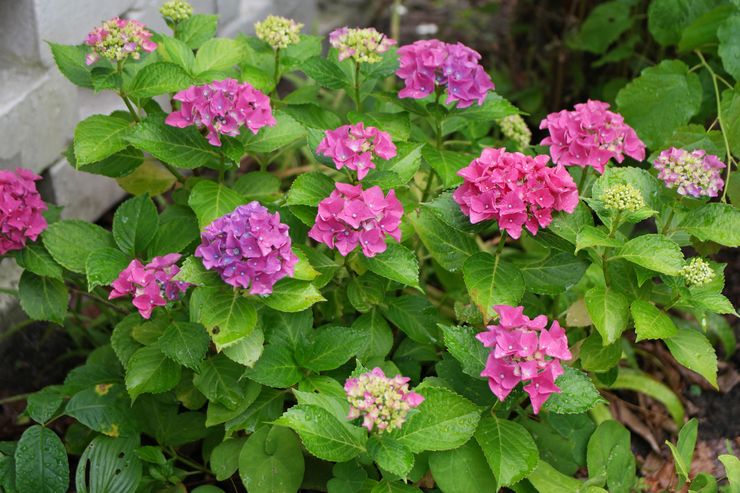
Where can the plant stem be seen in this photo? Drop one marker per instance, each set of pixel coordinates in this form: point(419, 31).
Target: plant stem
point(276, 73)
point(9, 292)
point(672, 302)
point(187, 461)
point(14, 398)
point(98, 299)
point(501, 243)
point(615, 224)
point(428, 188)
point(667, 224)
point(174, 172)
point(582, 181)
point(130, 107)
point(357, 86)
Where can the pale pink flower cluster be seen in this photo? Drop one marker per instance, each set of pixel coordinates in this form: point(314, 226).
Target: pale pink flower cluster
point(118, 39)
point(524, 351)
point(694, 173)
point(590, 135)
point(151, 285)
point(363, 45)
point(354, 146)
point(383, 402)
point(428, 64)
point(515, 190)
point(352, 216)
point(222, 107)
point(21, 209)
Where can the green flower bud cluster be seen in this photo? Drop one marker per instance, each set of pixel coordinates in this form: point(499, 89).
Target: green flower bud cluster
point(176, 10)
point(623, 197)
point(515, 128)
point(697, 272)
point(278, 32)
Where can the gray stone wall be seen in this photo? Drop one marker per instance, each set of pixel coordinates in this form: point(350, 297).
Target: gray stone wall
point(39, 108)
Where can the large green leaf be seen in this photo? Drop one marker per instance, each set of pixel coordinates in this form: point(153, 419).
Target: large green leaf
point(655, 252)
point(325, 72)
point(416, 316)
point(227, 315)
point(218, 379)
point(224, 459)
point(508, 448)
point(729, 45)
point(197, 30)
point(465, 348)
point(36, 259)
point(100, 136)
point(108, 465)
point(210, 200)
point(159, 78)
point(310, 189)
point(461, 470)
point(275, 368)
point(41, 464)
point(43, 405)
point(185, 343)
point(390, 455)
point(134, 224)
point(495, 107)
point(492, 281)
point(218, 54)
point(105, 409)
point(446, 164)
point(285, 131)
point(603, 26)
point(43, 298)
point(397, 171)
point(271, 461)
point(150, 371)
point(609, 311)
point(70, 242)
point(331, 348)
point(683, 451)
point(552, 274)
point(577, 393)
point(715, 222)
point(397, 263)
point(610, 456)
point(70, 60)
point(692, 349)
point(650, 321)
point(637, 381)
point(449, 246)
point(375, 333)
point(175, 51)
point(668, 18)
point(292, 295)
point(104, 265)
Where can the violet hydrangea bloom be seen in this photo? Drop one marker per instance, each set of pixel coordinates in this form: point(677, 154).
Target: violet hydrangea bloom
point(222, 107)
point(523, 350)
point(249, 248)
point(21, 209)
point(694, 173)
point(383, 402)
point(118, 39)
point(427, 64)
point(590, 135)
point(351, 215)
point(151, 285)
point(354, 146)
point(515, 190)
point(363, 45)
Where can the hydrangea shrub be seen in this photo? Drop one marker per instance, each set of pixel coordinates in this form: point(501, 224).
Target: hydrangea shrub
point(366, 279)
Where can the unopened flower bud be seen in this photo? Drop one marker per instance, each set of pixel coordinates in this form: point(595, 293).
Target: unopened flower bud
point(515, 128)
point(278, 32)
point(623, 197)
point(176, 10)
point(697, 272)
point(363, 45)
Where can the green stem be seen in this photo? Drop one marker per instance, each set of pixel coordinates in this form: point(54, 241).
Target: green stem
point(14, 398)
point(672, 303)
point(357, 86)
point(9, 292)
point(428, 188)
point(98, 299)
point(174, 172)
point(582, 181)
point(501, 244)
point(604, 260)
point(667, 224)
point(130, 107)
point(187, 461)
point(276, 73)
point(615, 224)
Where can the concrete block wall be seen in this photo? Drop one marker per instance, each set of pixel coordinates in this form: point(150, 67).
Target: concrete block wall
point(39, 108)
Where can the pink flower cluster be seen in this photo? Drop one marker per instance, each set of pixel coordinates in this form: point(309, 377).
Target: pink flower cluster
point(222, 107)
point(21, 209)
point(354, 146)
point(515, 190)
point(117, 39)
point(694, 173)
point(383, 402)
point(524, 351)
point(151, 285)
point(351, 215)
point(427, 64)
point(249, 248)
point(590, 135)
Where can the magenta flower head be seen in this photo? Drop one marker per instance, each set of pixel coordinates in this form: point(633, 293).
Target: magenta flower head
point(222, 107)
point(363, 45)
point(383, 402)
point(694, 173)
point(428, 64)
point(119, 39)
point(523, 350)
point(354, 146)
point(249, 248)
point(590, 135)
point(515, 190)
point(21, 209)
point(151, 285)
point(351, 215)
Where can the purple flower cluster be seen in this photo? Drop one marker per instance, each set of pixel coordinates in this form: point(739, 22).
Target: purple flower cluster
point(222, 107)
point(151, 285)
point(21, 209)
point(524, 351)
point(351, 215)
point(427, 64)
point(383, 402)
point(118, 39)
point(694, 173)
point(249, 248)
point(354, 146)
point(515, 190)
point(590, 135)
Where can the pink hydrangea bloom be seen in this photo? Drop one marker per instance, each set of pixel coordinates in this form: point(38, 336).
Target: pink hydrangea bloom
point(151, 285)
point(249, 248)
point(354, 146)
point(118, 39)
point(427, 64)
point(694, 173)
point(590, 135)
point(363, 45)
point(222, 107)
point(383, 402)
point(21, 209)
point(515, 190)
point(351, 215)
point(523, 350)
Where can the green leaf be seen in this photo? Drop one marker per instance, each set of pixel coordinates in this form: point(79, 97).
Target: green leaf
point(224, 459)
point(654, 252)
point(100, 136)
point(101, 459)
point(41, 464)
point(194, 272)
point(449, 246)
point(465, 348)
point(397, 171)
point(603, 26)
point(226, 314)
point(567, 225)
point(552, 274)
point(715, 222)
point(159, 78)
point(703, 30)
point(103, 266)
point(175, 51)
point(597, 357)
point(331, 348)
point(275, 368)
point(730, 111)
point(693, 350)
point(729, 45)
point(258, 185)
point(416, 316)
point(590, 236)
point(70, 242)
point(218, 379)
point(732, 469)
point(494, 108)
point(197, 30)
point(103, 408)
point(444, 421)
point(662, 98)
point(43, 298)
point(667, 19)
point(651, 322)
point(247, 350)
point(292, 295)
point(397, 263)
point(609, 455)
point(218, 54)
point(150, 371)
point(683, 452)
point(446, 164)
point(375, 333)
point(122, 341)
point(546, 478)
point(323, 435)
point(150, 177)
point(637, 381)
point(313, 116)
point(267, 407)
point(310, 189)
point(36, 259)
point(388, 486)
point(390, 455)
point(185, 343)
point(577, 393)
point(174, 235)
point(70, 60)
point(461, 470)
point(509, 449)
point(44, 404)
point(286, 131)
point(271, 461)
point(135, 224)
point(325, 72)
point(210, 200)
point(396, 124)
point(609, 311)
point(492, 281)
